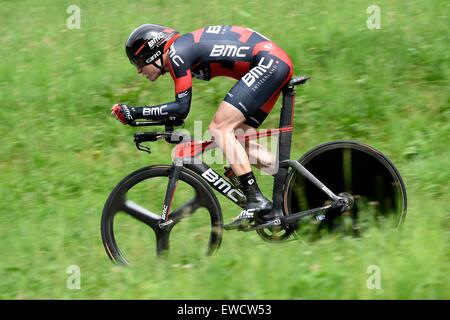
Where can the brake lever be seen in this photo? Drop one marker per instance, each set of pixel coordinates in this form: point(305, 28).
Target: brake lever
point(142, 147)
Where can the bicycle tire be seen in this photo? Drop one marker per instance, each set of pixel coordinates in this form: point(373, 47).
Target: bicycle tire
point(116, 202)
point(353, 167)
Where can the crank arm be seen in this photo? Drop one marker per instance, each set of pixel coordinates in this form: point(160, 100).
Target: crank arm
point(271, 223)
point(312, 212)
point(284, 220)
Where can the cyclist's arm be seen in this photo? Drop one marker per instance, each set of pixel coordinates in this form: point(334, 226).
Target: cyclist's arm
point(179, 108)
point(179, 65)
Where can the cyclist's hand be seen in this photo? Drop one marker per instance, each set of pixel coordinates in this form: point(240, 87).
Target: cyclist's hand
point(122, 113)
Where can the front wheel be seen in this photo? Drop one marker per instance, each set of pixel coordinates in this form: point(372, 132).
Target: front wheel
point(351, 167)
point(131, 216)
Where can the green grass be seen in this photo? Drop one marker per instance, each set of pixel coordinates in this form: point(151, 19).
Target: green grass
point(61, 153)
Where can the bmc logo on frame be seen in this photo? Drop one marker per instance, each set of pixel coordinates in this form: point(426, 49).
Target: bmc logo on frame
point(228, 50)
point(257, 72)
point(220, 184)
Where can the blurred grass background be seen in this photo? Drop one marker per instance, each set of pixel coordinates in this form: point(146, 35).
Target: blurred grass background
point(61, 153)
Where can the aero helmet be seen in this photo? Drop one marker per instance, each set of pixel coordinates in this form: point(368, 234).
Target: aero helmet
point(147, 43)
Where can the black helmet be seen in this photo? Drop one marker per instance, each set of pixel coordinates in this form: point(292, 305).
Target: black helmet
point(147, 43)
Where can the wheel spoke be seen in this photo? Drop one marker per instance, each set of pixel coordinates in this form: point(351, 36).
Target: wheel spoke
point(185, 210)
point(140, 213)
point(162, 241)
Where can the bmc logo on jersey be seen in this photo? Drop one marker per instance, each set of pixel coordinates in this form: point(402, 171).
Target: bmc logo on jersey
point(183, 94)
point(154, 111)
point(214, 29)
point(257, 72)
point(176, 59)
point(228, 50)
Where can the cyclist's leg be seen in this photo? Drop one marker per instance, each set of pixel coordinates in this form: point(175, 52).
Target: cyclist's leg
point(257, 153)
point(254, 96)
point(222, 128)
point(226, 124)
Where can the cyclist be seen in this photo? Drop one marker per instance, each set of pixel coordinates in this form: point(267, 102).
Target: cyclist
point(260, 66)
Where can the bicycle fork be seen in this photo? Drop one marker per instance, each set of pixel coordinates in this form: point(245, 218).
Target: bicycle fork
point(174, 175)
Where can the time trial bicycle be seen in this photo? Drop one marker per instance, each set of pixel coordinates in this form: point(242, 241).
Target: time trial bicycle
point(339, 185)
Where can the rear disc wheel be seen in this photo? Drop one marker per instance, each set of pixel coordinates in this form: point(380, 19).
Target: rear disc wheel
point(372, 180)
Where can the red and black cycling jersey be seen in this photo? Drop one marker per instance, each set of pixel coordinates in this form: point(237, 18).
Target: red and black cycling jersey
point(261, 67)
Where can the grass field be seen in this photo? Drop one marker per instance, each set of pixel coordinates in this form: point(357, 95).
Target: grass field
point(61, 153)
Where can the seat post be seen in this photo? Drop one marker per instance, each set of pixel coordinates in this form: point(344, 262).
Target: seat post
point(284, 147)
point(286, 118)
